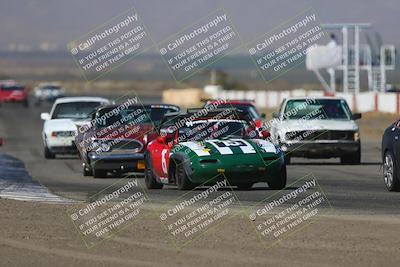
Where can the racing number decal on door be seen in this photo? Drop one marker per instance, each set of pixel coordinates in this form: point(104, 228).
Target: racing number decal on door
point(164, 160)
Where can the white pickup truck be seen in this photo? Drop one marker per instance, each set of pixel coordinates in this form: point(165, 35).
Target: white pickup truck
point(322, 127)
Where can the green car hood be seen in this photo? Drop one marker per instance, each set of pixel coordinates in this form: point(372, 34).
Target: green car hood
point(217, 147)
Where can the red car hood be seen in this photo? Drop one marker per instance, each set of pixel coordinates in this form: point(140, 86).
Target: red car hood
point(12, 94)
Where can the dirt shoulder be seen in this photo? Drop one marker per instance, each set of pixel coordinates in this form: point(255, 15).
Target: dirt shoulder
point(373, 124)
point(42, 235)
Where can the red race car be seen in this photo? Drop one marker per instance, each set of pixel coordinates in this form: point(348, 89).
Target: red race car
point(10, 91)
point(242, 105)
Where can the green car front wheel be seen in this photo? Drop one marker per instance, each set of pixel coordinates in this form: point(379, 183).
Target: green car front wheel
point(279, 182)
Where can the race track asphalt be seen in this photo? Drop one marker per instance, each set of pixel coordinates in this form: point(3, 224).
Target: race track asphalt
point(350, 189)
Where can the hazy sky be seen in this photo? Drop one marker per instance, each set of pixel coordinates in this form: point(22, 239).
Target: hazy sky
point(61, 21)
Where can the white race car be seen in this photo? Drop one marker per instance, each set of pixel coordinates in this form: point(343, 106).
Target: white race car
point(322, 127)
point(59, 128)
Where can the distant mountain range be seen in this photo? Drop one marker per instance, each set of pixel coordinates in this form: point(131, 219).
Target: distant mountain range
point(51, 24)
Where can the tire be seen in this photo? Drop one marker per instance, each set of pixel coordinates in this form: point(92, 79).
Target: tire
point(47, 153)
point(245, 186)
point(280, 181)
point(352, 159)
point(99, 173)
point(287, 159)
point(149, 177)
point(390, 172)
point(87, 171)
point(181, 178)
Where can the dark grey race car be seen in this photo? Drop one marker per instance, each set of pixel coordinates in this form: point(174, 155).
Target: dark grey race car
point(391, 157)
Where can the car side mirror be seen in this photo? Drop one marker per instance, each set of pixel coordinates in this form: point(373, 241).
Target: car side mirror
point(45, 116)
point(161, 139)
point(265, 134)
point(166, 139)
point(275, 115)
point(356, 116)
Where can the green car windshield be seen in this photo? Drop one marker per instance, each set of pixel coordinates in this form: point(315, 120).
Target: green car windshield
point(212, 129)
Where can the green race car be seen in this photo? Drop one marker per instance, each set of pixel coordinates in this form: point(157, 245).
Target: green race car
point(205, 149)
